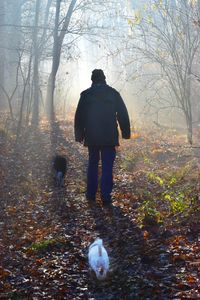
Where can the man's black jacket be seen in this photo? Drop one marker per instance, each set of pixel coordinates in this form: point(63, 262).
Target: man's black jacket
point(99, 109)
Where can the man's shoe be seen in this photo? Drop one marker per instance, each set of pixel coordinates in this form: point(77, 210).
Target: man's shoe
point(90, 199)
point(107, 204)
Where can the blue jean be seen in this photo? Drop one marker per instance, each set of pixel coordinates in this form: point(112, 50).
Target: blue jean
point(107, 155)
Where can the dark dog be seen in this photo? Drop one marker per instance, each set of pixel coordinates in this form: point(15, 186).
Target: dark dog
point(60, 167)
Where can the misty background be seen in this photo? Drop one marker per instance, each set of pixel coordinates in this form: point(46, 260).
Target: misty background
point(149, 51)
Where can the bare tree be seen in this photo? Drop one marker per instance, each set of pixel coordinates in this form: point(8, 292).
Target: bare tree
point(9, 95)
point(25, 77)
point(11, 53)
point(57, 46)
point(2, 51)
point(35, 115)
point(167, 37)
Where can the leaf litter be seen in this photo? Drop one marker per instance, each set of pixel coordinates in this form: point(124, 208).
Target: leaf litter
point(151, 232)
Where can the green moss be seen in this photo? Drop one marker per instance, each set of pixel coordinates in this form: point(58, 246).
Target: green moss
point(45, 245)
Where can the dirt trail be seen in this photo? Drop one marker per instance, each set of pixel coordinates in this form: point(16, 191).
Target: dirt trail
point(46, 231)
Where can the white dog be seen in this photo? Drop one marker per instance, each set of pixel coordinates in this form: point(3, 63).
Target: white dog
point(98, 259)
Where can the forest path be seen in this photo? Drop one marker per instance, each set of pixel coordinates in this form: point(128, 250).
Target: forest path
point(46, 231)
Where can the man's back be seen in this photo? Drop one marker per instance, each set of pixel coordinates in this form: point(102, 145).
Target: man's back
point(99, 109)
point(100, 115)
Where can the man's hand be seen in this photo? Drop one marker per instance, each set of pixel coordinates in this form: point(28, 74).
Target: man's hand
point(79, 140)
point(126, 136)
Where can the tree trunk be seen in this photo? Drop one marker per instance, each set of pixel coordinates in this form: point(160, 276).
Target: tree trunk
point(2, 53)
point(35, 115)
point(13, 43)
point(58, 40)
point(25, 83)
point(55, 64)
point(188, 117)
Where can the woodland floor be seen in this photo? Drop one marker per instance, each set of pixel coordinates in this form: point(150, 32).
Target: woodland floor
point(151, 233)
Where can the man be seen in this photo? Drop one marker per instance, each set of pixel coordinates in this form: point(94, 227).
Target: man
point(99, 111)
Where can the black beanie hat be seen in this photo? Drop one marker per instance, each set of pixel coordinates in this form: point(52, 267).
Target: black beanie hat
point(98, 76)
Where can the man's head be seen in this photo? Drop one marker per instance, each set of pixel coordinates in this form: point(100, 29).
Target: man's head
point(98, 76)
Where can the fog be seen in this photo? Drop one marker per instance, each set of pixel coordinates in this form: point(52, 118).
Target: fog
point(149, 51)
